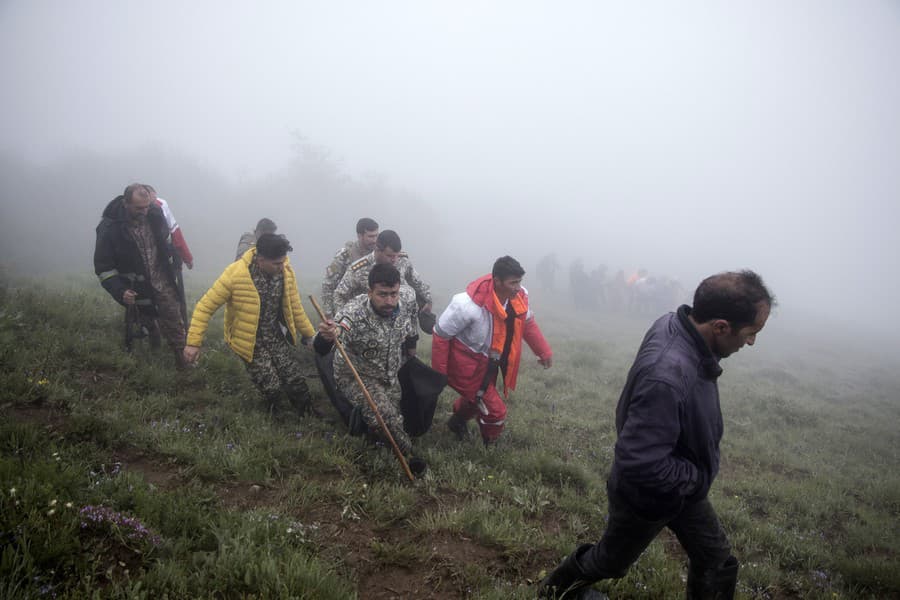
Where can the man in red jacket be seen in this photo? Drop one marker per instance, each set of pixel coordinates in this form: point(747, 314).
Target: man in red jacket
point(480, 334)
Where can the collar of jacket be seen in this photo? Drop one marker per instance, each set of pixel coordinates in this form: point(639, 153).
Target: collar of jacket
point(709, 364)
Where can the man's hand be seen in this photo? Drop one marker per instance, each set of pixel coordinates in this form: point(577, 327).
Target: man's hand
point(411, 352)
point(328, 330)
point(189, 265)
point(546, 362)
point(191, 354)
point(129, 296)
point(426, 308)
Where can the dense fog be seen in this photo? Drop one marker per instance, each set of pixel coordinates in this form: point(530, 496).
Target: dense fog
point(684, 138)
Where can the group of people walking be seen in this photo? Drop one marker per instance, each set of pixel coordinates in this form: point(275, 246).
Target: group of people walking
point(374, 305)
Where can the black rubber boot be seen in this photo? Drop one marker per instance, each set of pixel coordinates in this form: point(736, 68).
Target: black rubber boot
point(569, 581)
point(458, 426)
point(713, 584)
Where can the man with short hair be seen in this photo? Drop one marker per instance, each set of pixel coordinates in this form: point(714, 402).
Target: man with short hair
point(669, 426)
point(416, 293)
point(178, 241)
point(366, 237)
point(248, 239)
point(264, 318)
point(377, 334)
point(480, 335)
point(134, 261)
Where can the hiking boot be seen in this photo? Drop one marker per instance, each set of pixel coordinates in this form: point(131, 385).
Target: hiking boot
point(458, 426)
point(713, 584)
point(417, 466)
point(569, 581)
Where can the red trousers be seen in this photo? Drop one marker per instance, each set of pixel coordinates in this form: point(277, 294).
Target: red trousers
point(491, 424)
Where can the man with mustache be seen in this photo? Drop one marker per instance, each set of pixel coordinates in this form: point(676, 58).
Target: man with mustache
point(133, 258)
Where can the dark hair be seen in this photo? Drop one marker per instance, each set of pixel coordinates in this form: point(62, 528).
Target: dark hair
point(272, 246)
point(266, 226)
point(131, 189)
point(507, 266)
point(732, 296)
point(150, 189)
point(365, 224)
point(389, 239)
point(385, 274)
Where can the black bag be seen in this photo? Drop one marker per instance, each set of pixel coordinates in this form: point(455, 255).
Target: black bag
point(325, 367)
point(420, 386)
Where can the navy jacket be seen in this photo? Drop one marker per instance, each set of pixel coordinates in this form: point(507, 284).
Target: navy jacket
point(117, 260)
point(668, 420)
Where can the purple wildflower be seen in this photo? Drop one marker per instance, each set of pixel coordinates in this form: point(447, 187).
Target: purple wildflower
point(132, 528)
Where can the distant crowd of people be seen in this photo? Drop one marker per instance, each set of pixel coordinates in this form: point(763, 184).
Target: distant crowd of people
point(375, 303)
point(638, 292)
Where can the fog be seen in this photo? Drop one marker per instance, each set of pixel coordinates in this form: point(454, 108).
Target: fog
point(686, 138)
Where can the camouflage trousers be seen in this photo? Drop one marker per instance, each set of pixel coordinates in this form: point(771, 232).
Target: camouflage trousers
point(274, 369)
point(168, 316)
point(387, 399)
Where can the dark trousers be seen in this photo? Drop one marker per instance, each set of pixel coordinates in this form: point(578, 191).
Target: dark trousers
point(628, 534)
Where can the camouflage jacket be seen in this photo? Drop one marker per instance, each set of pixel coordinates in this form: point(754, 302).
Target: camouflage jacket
point(347, 255)
point(356, 281)
point(374, 343)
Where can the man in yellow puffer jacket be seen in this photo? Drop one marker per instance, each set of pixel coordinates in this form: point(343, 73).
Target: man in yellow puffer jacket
point(263, 316)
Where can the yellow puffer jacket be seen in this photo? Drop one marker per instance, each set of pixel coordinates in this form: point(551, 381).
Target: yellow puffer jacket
point(235, 289)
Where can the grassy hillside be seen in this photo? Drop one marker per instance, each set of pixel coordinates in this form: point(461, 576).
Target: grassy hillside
point(121, 478)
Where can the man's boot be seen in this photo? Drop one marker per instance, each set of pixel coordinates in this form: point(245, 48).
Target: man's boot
point(713, 584)
point(569, 581)
point(458, 426)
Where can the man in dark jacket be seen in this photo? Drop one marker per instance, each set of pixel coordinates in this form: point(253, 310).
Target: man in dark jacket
point(669, 426)
point(134, 260)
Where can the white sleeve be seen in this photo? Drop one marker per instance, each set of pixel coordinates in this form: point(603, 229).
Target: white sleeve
point(528, 315)
point(167, 213)
point(456, 317)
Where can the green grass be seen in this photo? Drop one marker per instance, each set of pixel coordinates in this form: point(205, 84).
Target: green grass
point(236, 504)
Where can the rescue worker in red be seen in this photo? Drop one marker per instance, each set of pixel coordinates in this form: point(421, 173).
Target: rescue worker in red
point(480, 335)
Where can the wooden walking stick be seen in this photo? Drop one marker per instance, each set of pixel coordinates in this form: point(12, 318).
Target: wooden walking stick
point(368, 396)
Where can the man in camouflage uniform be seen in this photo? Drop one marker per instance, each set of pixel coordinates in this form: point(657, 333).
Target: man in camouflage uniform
point(262, 334)
point(378, 335)
point(134, 260)
point(416, 294)
point(248, 239)
point(366, 236)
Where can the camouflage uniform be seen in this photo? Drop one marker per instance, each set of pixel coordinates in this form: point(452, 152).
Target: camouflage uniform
point(350, 253)
point(166, 296)
point(413, 291)
point(374, 345)
point(247, 241)
point(274, 366)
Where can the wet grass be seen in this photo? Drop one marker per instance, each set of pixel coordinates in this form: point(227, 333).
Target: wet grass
point(235, 503)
